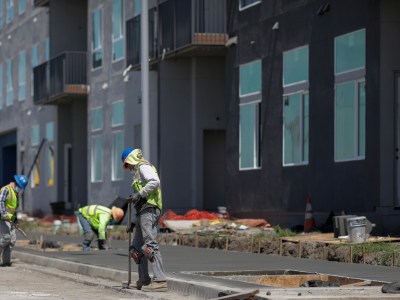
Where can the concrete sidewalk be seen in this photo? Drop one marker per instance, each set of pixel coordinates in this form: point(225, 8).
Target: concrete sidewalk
point(189, 270)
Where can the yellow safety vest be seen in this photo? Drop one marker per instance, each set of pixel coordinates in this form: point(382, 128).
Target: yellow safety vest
point(155, 197)
point(11, 203)
point(98, 216)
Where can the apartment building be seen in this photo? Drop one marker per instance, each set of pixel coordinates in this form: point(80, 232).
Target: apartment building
point(313, 89)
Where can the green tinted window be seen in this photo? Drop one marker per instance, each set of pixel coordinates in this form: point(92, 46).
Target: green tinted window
point(10, 91)
point(97, 158)
point(249, 135)
point(50, 131)
point(22, 76)
point(35, 135)
point(250, 78)
point(361, 119)
point(118, 148)
point(1, 86)
point(350, 51)
point(295, 66)
point(117, 113)
point(344, 121)
point(97, 119)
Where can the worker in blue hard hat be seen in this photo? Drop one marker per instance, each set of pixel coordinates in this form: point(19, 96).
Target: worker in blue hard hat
point(148, 204)
point(9, 202)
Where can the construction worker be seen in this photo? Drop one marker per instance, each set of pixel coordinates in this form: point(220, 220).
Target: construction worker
point(9, 202)
point(148, 205)
point(94, 220)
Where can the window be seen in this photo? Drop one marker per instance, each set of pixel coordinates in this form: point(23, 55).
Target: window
point(97, 51)
point(34, 62)
point(350, 96)
point(21, 6)
point(50, 154)
point(1, 14)
point(10, 91)
point(137, 7)
point(1, 86)
point(249, 114)
point(97, 119)
point(97, 158)
point(117, 113)
point(243, 4)
point(97, 145)
point(47, 48)
point(10, 10)
point(35, 135)
point(117, 26)
point(35, 175)
point(22, 76)
point(295, 106)
point(118, 147)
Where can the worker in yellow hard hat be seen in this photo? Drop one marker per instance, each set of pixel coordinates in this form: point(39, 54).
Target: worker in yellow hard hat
point(94, 220)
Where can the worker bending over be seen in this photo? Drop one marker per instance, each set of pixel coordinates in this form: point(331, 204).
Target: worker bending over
point(94, 220)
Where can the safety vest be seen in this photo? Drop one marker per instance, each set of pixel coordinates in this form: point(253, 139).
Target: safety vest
point(155, 197)
point(11, 203)
point(98, 216)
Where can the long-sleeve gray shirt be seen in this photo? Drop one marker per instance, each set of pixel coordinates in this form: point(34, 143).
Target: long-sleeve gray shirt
point(148, 179)
point(3, 198)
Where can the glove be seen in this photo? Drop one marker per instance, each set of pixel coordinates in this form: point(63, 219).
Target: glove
point(6, 218)
point(130, 228)
point(134, 198)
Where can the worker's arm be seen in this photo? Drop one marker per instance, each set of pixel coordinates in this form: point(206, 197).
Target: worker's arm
point(151, 178)
point(104, 220)
point(3, 198)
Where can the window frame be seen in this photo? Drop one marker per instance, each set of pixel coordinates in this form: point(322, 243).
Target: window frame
point(120, 38)
point(112, 113)
point(97, 108)
point(100, 38)
point(9, 11)
point(22, 76)
point(94, 166)
point(115, 161)
point(9, 83)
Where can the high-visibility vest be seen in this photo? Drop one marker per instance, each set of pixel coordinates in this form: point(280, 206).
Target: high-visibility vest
point(11, 203)
point(155, 197)
point(98, 216)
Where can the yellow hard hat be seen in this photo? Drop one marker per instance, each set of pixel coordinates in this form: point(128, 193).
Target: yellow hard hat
point(134, 157)
point(117, 213)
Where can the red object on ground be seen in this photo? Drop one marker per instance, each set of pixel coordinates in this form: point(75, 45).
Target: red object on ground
point(309, 222)
point(192, 214)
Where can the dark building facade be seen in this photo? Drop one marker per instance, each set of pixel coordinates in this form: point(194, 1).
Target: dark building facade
point(312, 89)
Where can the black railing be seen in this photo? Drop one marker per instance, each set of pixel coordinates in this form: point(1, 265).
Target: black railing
point(40, 3)
point(179, 20)
point(133, 38)
point(51, 77)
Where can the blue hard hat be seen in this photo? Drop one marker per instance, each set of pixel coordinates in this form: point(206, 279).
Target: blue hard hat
point(21, 180)
point(125, 153)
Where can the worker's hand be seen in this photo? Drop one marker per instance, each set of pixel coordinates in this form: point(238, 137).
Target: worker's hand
point(129, 228)
point(6, 218)
point(134, 198)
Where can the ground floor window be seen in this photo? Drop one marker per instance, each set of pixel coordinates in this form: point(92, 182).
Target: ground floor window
point(97, 158)
point(118, 147)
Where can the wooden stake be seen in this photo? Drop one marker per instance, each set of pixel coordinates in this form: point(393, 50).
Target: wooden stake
point(299, 251)
point(227, 243)
point(351, 254)
point(259, 246)
point(280, 247)
point(363, 254)
point(251, 244)
point(196, 243)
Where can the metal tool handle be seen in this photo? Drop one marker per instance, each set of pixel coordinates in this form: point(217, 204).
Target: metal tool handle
point(129, 242)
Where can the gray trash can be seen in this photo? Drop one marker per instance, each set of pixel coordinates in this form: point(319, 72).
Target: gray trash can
point(356, 228)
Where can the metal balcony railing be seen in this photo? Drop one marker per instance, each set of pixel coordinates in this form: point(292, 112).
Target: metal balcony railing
point(41, 3)
point(62, 76)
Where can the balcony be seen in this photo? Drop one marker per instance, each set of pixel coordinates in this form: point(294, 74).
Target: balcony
point(41, 3)
point(61, 79)
point(192, 28)
point(185, 28)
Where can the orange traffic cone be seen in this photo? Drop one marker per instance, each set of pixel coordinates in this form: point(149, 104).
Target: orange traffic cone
point(309, 222)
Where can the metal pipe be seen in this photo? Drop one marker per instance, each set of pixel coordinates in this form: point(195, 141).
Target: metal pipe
point(144, 37)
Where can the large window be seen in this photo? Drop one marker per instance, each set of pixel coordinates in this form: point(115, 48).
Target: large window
point(97, 47)
point(50, 153)
point(10, 90)
point(117, 26)
point(35, 135)
point(1, 14)
point(34, 62)
point(1, 86)
point(350, 96)
point(22, 76)
point(35, 139)
point(295, 106)
point(22, 7)
point(249, 114)
point(10, 10)
point(117, 120)
point(243, 4)
point(97, 145)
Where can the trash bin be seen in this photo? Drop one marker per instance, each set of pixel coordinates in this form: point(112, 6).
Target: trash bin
point(340, 225)
point(356, 228)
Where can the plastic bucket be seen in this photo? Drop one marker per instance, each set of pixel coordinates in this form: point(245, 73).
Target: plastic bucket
point(357, 229)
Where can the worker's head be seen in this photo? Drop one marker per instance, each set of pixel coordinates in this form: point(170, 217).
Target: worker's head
point(131, 157)
point(117, 213)
point(21, 182)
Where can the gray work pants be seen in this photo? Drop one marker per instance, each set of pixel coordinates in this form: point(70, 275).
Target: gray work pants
point(8, 237)
point(146, 233)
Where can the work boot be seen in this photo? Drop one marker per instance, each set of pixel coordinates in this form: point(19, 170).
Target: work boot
point(156, 286)
point(139, 284)
point(5, 265)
